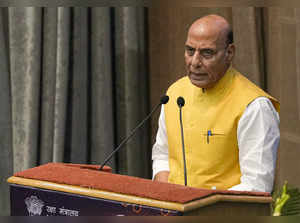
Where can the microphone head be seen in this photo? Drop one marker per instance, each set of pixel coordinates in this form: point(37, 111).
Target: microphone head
point(180, 101)
point(164, 99)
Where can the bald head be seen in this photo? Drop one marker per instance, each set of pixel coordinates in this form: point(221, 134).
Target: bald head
point(213, 25)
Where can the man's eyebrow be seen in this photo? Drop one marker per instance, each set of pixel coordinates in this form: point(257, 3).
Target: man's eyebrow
point(206, 49)
point(189, 47)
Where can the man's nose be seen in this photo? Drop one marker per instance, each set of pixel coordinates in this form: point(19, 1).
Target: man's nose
point(196, 59)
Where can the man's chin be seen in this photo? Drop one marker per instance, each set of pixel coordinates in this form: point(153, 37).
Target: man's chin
point(199, 83)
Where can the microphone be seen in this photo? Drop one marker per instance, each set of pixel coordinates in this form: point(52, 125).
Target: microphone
point(180, 103)
point(163, 100)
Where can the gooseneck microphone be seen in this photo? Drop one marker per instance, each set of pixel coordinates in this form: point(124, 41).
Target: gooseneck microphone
point(163, 100)
point(180, 103)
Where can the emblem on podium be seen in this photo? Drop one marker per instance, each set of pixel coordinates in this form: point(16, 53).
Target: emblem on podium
point(34, 205)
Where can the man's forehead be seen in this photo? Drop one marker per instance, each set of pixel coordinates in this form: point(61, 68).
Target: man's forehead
point(211, 20)
point(206, 28)
point(197, 37)
point(206, 32)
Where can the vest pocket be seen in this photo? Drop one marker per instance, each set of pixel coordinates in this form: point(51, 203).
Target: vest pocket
point(212, 135)
point(215, 147)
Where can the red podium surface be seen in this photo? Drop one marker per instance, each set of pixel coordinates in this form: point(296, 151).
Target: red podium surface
point(74, 189)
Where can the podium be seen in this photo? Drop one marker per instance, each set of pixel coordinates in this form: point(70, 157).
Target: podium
point(60, 189)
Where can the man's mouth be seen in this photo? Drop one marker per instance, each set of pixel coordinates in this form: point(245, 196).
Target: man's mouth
point(198, 76)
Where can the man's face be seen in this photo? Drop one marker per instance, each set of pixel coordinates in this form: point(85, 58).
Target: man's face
point(207, 56)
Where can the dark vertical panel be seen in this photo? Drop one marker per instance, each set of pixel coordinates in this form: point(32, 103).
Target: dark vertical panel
point(249, 50)
point(25, 48)
point(130, 93)
point(144, 104)
point(62, 82)
point(79, 87)
point(102, 123)
point(290, 122)
point(48, 84)
point(6, 155)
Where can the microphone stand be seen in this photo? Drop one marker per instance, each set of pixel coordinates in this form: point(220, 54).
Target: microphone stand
point(180, 102)
point(163, 100)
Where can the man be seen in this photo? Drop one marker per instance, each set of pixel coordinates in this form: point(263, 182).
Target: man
point(231, 127)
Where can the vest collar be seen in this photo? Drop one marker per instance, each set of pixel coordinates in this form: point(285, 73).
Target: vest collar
point(216, 92)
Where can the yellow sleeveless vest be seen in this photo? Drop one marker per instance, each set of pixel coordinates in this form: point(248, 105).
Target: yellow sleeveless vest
point(210, 121)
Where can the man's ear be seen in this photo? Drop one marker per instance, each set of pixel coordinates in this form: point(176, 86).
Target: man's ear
point(230, 52)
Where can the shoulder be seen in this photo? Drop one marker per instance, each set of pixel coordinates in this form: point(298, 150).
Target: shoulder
point(246, 84)
point(179, 84)
point(252, 91)
point(260, 113)
point(262, 104)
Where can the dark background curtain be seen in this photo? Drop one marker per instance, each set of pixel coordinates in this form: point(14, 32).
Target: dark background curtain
point(75, 81)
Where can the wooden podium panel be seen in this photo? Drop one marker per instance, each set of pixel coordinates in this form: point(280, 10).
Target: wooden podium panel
point(55, 203)
point(73, 190)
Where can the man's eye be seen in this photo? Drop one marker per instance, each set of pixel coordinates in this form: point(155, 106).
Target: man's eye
point(207, 53)
point(190, 51)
